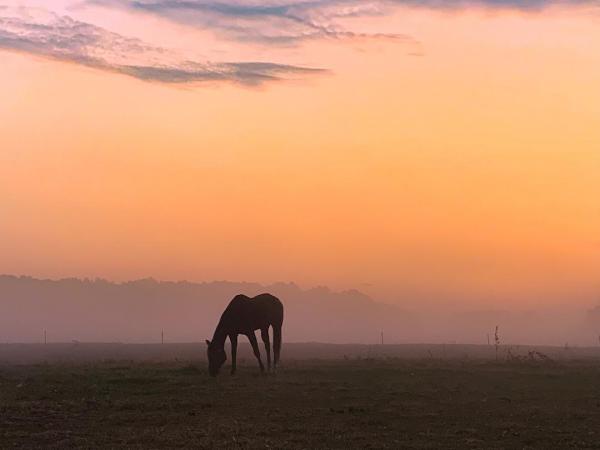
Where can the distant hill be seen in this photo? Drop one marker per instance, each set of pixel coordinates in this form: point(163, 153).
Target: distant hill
point(137, 311)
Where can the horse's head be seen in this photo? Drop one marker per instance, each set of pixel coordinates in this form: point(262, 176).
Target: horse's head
point(216, 358)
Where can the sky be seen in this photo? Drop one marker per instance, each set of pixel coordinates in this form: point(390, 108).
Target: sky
point(424, 152)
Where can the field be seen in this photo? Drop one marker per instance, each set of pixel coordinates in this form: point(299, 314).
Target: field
point(403, 397)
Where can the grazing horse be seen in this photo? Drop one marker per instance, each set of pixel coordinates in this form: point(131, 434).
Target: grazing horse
point(243, 315)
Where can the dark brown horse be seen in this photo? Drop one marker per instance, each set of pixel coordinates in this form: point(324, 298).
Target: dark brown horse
point(244, 315)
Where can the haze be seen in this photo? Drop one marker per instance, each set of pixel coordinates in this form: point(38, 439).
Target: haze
point(432, 155)
point(150, 311)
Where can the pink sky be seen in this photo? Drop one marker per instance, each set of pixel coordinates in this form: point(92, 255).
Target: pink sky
point(440, 154)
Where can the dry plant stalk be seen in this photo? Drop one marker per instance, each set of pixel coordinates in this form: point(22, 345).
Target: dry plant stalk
point(496, 341)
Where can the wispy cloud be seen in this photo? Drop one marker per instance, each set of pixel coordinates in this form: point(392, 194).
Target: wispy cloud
point(279, 22)
point(62, 38)
point(259, 22)
point(523, 5)
point(290, 22)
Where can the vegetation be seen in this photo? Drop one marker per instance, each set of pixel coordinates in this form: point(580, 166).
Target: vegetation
point(350, 403)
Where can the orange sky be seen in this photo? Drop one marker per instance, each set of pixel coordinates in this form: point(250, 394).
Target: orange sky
point(460, 165)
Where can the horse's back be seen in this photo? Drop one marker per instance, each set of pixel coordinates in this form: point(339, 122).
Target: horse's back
point(245, 313)
point(271, 307)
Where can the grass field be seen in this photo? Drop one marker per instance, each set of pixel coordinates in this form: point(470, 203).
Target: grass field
point(352, 403)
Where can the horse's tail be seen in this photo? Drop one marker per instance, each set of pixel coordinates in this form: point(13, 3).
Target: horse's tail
point(277, 326)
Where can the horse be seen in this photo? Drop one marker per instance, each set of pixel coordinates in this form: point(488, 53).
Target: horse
point(244, 315)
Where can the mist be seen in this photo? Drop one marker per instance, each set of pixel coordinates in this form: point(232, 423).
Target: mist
point(147, 311)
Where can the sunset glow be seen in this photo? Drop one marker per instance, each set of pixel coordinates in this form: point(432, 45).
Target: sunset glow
point(421, 152)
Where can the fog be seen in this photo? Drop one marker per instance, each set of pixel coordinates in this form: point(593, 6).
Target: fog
point(147, 311)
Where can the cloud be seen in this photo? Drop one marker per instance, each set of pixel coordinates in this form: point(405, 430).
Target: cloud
point(249, 73)
point(290, 22)
point(279, 22)
point(262, 22)
point(62, 38)
point(524, 5)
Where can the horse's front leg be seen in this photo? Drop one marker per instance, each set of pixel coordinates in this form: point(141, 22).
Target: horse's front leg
point(233, 340)
point(254, 344)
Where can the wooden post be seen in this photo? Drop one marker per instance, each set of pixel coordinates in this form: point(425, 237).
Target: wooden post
point(44, 337)
point(162, 336)
point(382, 338)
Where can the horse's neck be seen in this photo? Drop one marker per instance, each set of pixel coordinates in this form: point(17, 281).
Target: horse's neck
point(220, 335)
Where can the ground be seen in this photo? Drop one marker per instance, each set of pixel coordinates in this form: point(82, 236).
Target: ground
point(344, 403)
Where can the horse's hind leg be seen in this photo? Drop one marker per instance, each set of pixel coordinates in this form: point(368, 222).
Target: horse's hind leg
point(254, 344)
point(276, 344)
point(264, 333)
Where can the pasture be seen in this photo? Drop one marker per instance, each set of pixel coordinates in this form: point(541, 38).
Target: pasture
point(160, 396)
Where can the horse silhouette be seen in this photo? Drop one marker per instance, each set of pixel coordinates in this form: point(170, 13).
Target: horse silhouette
point(244, 315)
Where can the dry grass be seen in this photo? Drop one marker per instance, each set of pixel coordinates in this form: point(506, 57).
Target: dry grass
point(367, 403)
